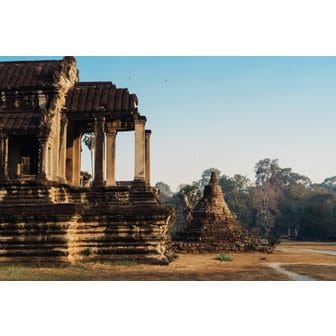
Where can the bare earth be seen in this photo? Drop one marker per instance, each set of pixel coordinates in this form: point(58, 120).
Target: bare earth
point(296, 260)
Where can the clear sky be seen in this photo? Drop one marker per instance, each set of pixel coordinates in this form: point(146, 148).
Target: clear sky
point(226, 112)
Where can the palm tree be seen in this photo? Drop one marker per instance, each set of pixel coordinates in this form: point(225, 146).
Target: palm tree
point(89, 142)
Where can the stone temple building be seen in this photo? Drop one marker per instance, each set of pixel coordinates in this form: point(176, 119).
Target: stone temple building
point(46, 211)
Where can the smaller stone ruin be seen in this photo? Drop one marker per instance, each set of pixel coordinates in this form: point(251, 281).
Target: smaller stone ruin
point(213, 228)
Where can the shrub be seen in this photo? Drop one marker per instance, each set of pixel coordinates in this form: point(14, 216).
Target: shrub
point(251, 246)
point(224, 257)
point(272, 240)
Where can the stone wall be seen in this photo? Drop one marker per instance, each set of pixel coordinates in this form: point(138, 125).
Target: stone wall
point(54, 223)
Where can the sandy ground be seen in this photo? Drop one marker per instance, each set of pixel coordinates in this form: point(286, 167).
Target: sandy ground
point(292, 260)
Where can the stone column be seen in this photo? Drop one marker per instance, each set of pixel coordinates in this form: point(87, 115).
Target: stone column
point(69, 154)
point(111, 134)
point(99, 151)
point(50, 166)
point(147, 155)
point(43, 157)
point(62, 150)
point(76, 159)
point(139, 171)
point(3, 157)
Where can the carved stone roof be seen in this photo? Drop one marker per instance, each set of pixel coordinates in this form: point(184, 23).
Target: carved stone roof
point(28, 88)
point(20, 121)
point(30, 74)
point(93, 96)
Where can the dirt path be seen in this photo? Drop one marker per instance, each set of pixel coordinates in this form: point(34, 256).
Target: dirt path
point(291, 275)
point(282, 267)
point(330, 252)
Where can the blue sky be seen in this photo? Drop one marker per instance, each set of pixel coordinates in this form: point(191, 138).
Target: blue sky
point(226, 112)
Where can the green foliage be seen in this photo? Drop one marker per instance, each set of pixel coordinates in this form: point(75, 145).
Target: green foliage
point(273, 240)
point(281, 202)
point(251, 246)
point(224, 257)
point(190, 194)
point(329, 183)
point(89, 141)
point(236, 191)
point(318, 221)
point(205, 177)
point(165, 191)
point(267, 171)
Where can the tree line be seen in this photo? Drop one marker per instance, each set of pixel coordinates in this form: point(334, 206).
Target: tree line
point(278, 203)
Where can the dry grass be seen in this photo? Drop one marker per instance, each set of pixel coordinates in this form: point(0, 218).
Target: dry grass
point(244, 266)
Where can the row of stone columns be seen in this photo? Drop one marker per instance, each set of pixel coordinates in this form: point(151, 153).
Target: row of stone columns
point(142, 152)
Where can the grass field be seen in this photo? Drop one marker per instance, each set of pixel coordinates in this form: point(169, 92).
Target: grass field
point(292, 256)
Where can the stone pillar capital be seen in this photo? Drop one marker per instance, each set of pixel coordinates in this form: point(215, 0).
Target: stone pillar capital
point(111, 128)
point(140, 120)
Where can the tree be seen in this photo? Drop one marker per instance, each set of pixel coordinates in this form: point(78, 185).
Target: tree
point(329, 183)
point(205, 177)
point(89, 142)
point(266, 195)
point(292, 206)
point(279, 197)
point(165, 191)
point(318, 221)
point(267, 171)
point(236, 191)
point(190, 195)
point(289, 178)
point(264, 201)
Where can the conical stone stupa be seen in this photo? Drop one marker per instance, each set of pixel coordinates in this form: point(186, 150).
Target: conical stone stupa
point(213, 228)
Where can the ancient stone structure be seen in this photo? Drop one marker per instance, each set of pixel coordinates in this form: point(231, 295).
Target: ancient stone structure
point(213, 228)
point(47, 211)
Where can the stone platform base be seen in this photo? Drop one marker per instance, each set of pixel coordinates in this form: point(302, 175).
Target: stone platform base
point(223, 236)
point(197, 247)
point(58, 223)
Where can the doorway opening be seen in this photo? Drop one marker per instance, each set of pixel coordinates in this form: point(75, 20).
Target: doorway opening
point(23, 155)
